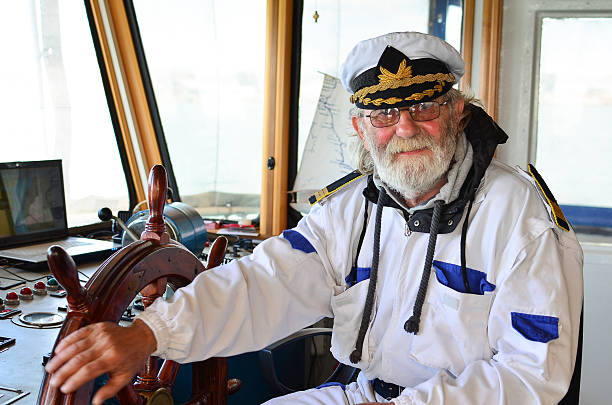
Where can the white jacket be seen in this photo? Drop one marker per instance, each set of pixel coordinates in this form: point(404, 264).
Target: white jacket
point(513, 343)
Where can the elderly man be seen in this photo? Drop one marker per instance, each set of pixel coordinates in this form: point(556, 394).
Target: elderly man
point(452, 278)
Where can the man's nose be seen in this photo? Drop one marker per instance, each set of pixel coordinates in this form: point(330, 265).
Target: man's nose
point(406, 127)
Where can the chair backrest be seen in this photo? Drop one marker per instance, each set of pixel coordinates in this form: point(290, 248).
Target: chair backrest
point(342, 373)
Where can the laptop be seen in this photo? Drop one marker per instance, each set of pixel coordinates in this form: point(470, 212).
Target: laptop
point(33, 216)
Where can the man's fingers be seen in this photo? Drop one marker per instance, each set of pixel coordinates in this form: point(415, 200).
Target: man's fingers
point(68, 353)
point(79, 369)
point(77, 380)
point(97, 349)
point(72, 338)
point(84, 375)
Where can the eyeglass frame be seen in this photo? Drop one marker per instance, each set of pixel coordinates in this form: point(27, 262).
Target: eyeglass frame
point(410, 111)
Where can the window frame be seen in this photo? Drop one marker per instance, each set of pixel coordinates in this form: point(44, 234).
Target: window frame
point(150, 98)
point(126, 90)
point(586, 219)
point(112, 108)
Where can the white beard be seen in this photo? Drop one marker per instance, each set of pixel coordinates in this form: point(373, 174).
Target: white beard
point(414, 176)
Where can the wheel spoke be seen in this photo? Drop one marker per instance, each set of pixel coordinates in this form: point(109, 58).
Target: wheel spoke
point(128, 396)
point(167, 373)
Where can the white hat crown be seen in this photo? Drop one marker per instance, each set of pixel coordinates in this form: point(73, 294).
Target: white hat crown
point(415, 45)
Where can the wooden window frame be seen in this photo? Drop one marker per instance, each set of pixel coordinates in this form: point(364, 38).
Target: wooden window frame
point(467, 42)
point(492, 15)
point(126, 90)
point(276, 134)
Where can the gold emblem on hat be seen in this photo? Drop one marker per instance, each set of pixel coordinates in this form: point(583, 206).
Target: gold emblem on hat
point(403, 72)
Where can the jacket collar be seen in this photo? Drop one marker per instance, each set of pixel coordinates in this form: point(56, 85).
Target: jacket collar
point(484, 135)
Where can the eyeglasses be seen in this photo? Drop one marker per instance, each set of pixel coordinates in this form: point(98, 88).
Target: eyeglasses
point(386, 117)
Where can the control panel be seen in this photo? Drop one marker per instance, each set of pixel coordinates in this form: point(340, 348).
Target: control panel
point(32, 308)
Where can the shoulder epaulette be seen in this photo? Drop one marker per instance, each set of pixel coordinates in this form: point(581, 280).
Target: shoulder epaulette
point(333, 187)
point(550, 199)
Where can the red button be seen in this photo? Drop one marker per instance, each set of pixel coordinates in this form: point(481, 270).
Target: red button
point(26, 293)
point(12, 298)
point(40, 288)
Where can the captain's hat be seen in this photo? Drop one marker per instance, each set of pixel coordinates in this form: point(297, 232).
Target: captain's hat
point(400, 69)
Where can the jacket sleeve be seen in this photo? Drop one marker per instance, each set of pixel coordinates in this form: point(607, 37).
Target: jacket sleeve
point(249, 303)
point(533, 331)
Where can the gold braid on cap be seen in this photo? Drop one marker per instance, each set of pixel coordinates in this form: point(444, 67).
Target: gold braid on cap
point(414, 96)
point(403, 78)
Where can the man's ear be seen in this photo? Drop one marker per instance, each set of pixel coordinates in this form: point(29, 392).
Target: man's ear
point(459, 105)
point(355, 120)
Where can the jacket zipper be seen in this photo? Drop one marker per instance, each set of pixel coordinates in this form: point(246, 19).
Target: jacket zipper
point(407, 231)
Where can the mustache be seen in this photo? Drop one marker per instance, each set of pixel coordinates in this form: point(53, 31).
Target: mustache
point(399, 145)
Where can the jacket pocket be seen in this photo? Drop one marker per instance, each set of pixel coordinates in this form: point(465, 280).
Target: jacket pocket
point(453, 329)
point(451, 276)
point(537, 328)
point(348, 311)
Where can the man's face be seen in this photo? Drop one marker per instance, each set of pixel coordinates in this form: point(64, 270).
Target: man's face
point(412, 157)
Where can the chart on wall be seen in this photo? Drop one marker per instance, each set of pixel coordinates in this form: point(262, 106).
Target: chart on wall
point(328, 153)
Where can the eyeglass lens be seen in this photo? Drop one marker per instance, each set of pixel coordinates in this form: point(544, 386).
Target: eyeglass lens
point(419, 112)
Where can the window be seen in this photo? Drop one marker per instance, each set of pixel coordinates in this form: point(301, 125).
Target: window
point(573, 145)
point(53, 104)
point(207, 69)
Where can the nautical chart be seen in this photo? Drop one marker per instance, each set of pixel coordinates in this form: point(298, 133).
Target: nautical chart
point(327, 154)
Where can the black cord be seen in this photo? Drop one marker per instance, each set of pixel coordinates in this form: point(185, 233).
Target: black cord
point(364, 227)
point(21, 282)
point(9, 263)
point(412, 324)
point(355, 356)
point(22, 278)
point(466, 282)
point(93, 235)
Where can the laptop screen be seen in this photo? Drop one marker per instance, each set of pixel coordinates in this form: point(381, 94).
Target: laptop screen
point(32, 205)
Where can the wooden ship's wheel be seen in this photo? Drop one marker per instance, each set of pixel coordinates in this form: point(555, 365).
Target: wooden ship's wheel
point(146, 266)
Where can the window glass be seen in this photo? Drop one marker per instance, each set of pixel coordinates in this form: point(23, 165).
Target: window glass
point(575, 101)
point(207, 62)
point(454, 21)
point(53, 104)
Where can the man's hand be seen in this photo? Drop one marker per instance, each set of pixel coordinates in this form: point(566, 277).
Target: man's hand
point(97, 349)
